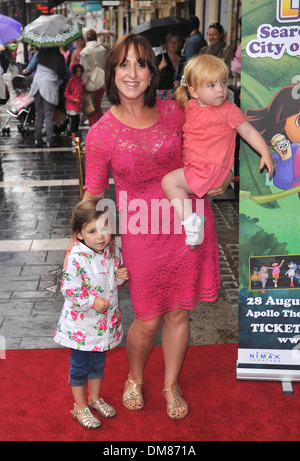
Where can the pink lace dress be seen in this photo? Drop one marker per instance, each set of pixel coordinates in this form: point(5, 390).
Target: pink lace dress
point(164, 273)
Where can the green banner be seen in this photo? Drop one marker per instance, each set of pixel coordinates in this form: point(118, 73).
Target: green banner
point(269, 234)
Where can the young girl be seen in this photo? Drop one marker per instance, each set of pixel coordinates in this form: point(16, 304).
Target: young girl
point(74, 98)
point(209, 132)
point(90, 322)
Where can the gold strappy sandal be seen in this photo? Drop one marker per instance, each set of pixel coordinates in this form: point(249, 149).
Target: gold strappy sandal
point(88, 421)
point(103, 408)
point(132, 395)
point(176, 403)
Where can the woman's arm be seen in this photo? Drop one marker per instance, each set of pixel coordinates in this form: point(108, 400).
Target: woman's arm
point(89, 196)
point(96, 176)
point(72, 60)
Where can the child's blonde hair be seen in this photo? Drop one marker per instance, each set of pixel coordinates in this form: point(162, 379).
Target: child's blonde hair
point(85, 212)
point(201, 70)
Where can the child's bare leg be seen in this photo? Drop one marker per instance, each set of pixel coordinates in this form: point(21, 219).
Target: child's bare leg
point(177, 192)
point(94, 386)
point(81, 412)
point(97, 403)
point(79, 397)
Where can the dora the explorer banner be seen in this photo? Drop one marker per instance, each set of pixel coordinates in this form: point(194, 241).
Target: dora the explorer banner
point(269, 240)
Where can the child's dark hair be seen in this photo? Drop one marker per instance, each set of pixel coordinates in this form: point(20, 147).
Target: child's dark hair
point(85, 212)
point(77, 66)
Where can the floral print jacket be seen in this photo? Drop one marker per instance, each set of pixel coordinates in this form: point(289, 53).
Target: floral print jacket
point(90, 275)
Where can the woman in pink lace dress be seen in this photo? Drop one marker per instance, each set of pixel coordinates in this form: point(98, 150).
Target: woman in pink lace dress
point(139, 139)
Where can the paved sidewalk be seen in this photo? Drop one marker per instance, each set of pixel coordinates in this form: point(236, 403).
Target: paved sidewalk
point(38, 189)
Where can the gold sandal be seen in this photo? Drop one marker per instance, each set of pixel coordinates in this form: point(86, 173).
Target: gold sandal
point(103, 408)
point(88, 421)
point(132, 395)
point(176, 403)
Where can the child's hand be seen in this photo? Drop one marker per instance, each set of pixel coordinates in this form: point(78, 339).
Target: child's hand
point(266, 160)
point(123, 274)
point(220, 190)
point(255, 139)
point(101, 305)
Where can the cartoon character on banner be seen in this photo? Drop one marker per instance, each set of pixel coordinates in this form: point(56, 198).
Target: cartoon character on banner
point(292, 272)
point(276, 271)
point(279, 125)
point(262, 276)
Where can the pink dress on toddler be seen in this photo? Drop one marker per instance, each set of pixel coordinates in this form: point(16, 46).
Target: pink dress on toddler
point(164, 273)
point(209, 135)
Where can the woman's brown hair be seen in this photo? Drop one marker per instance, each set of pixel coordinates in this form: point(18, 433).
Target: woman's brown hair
point(91, 35)
point(145, 57)
point(85, 212)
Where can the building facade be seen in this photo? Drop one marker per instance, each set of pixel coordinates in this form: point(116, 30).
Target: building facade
point(119, 16)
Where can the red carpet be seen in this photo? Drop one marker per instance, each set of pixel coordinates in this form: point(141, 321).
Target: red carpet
point(36, 400)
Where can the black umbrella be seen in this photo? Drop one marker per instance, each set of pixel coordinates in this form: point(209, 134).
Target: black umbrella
point(156, 29)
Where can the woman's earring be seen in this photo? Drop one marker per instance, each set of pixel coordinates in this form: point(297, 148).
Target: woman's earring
point(149, 83)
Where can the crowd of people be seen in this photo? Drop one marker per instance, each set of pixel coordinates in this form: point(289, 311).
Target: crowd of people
point(56, 84)
point(142, 139)
point(57, 81)
point(146, 141)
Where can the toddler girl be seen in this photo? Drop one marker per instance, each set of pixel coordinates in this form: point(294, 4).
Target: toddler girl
point(209, 132)
point(74, 98)
point(90, 322)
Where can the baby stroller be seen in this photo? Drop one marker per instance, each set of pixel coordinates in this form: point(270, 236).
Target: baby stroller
point(22, 105)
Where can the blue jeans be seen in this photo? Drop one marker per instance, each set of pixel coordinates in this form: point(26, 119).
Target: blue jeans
point(85, 365)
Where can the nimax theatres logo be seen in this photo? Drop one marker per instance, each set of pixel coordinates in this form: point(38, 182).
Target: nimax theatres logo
point(264, 357)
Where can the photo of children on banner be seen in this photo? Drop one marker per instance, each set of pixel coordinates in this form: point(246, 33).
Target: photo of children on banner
point(285, 272)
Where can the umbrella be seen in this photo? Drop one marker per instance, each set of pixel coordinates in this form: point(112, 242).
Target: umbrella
point(48, 31)
point(156, 29)
point(9, 29)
